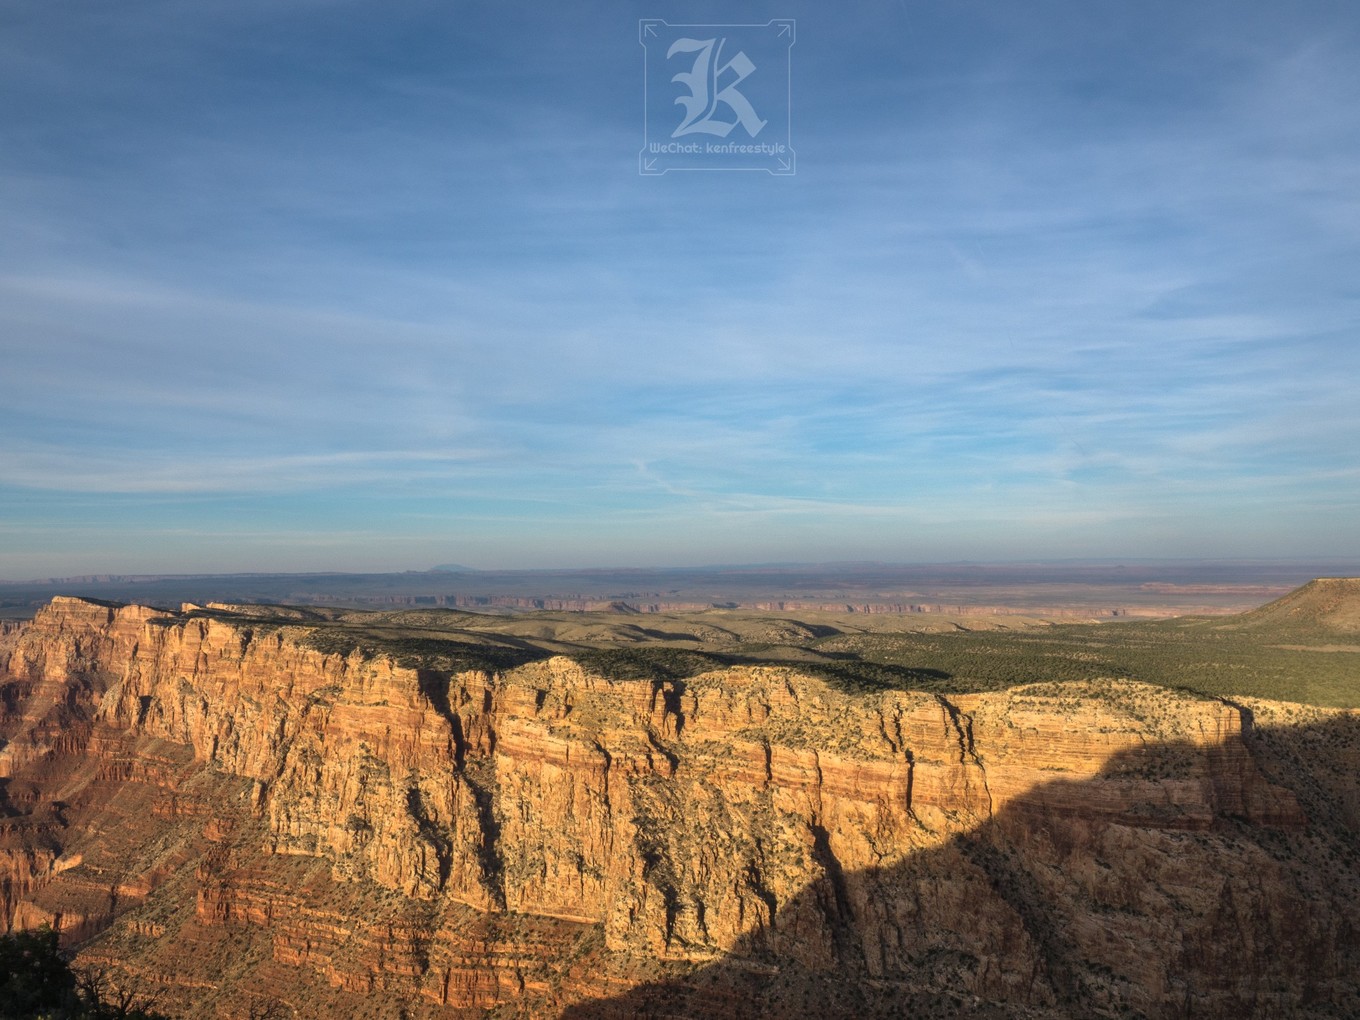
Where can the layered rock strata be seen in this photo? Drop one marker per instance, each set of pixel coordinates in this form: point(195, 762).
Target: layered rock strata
point(222, 811)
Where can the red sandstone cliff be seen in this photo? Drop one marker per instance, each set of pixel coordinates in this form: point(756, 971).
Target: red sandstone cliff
point(221, 810)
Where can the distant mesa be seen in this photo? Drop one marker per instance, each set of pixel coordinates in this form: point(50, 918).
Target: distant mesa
point(1325, 604)
point(453, 568)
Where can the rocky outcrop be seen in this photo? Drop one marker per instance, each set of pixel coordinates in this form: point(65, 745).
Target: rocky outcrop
point(183, 789)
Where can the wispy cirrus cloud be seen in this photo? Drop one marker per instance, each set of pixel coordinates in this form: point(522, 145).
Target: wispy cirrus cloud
point(1066, 278)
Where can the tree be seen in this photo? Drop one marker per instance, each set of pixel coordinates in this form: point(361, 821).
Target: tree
point(102, 998)
point(34, 979)
point(267, 1009)
point(36, 983)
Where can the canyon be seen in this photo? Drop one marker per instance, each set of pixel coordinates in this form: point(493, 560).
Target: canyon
point(216, 805)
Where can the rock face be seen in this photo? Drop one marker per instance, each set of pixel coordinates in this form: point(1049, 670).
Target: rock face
point(221, 812)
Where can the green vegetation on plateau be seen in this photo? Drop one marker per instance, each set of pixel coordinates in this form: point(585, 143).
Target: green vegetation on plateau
point(1198, 654)
point(1304, 647)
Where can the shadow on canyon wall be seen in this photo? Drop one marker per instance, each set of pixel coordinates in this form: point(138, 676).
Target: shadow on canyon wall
point(1112, 897)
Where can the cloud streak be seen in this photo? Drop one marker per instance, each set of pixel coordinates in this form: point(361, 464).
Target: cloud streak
point(338, 273)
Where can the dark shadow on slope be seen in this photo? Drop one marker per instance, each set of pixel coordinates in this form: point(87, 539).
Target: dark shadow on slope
point(430, 653)
point(846, 671)
point(647, 663)
point(1121, 896)
point(652, 634)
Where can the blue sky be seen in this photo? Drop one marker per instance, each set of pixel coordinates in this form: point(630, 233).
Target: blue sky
point(322, 284)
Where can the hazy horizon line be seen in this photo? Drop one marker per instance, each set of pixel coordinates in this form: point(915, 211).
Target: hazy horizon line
point(455, 569)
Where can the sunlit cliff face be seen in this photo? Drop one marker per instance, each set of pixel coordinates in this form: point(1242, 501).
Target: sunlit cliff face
point(220, 809)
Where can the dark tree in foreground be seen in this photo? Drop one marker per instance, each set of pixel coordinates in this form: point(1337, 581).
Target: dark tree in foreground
point(34, 980)
point(267, 1009)
point(36, 983)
